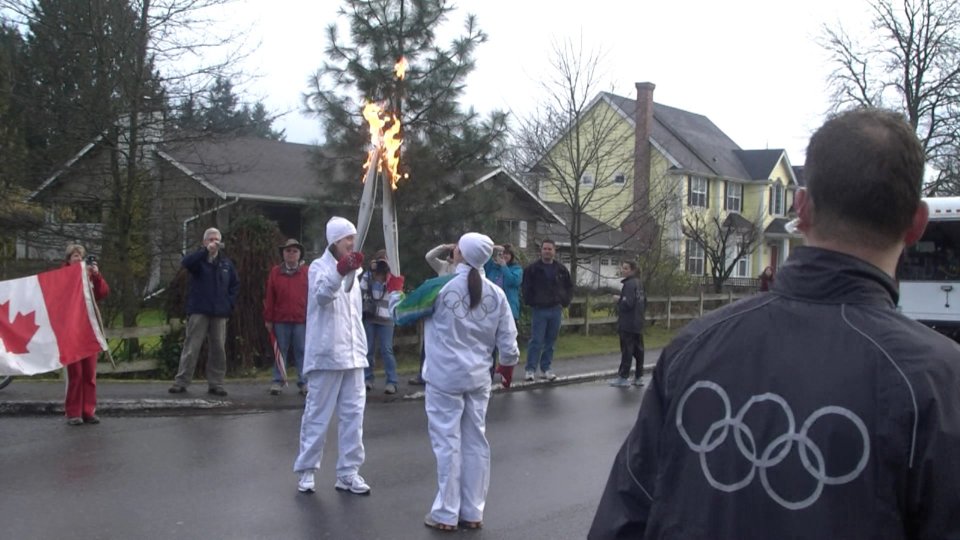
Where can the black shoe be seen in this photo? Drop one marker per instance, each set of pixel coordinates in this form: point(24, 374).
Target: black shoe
point(91, 419)
point(418, 381)
point(217, 391)
point(177, 389)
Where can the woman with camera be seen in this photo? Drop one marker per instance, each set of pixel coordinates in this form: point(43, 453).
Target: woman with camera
point(377, 321)
point(81, 399)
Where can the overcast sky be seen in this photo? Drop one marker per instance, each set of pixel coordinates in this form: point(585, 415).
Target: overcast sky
point(754, 67)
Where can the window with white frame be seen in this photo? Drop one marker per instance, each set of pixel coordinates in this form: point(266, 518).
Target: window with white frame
point(586, 179)
point(619, 179)
point(695, 258)
point(778, 199)
point(512, 232)
point(742, 267)
point(734, 199)
point(698, 191)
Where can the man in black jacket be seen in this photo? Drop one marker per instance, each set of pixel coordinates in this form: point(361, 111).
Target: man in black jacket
point(817, 410)
point(213, 293)
point(631, 305)
point(546, 288)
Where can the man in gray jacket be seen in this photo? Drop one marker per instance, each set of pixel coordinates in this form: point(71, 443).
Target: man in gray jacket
point(817, 410)
point(631, 305)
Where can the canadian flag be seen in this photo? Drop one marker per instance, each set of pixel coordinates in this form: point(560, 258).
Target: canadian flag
point(48, 321)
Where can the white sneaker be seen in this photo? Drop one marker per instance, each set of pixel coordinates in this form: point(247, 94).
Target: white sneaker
point(354, 484)
point(306, 485)
point(549, 375)
point(530, 376)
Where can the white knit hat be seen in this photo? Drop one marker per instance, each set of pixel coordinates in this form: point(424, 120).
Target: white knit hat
point(339, 228)
point(475, 249)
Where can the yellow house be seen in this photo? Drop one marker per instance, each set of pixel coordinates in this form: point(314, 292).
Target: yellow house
point(684, 166)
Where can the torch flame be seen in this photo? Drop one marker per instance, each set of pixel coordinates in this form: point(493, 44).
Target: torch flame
point(385, 136)
point(400, 68)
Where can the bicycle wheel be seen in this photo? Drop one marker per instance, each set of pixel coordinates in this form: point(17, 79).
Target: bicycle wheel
point(5, 380)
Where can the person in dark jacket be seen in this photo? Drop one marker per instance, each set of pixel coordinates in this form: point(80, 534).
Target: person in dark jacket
point(213, 293)
point(285, 311)
point(766, 279)
point(816, 410)
point(547, 288)
point(631, 305)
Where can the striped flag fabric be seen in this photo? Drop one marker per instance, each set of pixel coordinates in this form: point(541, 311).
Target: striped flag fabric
point(278, 358)
point(48, 321)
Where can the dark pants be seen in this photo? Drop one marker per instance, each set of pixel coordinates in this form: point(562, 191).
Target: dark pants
point(631, 346)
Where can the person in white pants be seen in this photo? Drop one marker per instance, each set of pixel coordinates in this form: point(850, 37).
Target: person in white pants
point(470, 317)
point(334, 359)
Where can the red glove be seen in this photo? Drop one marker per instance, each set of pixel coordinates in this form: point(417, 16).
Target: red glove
point(506, 372)
point(349, 262)
point(395, 283)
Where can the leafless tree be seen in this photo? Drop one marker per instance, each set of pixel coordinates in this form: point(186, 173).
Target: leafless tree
point(572, 150)
point(909, 61)
point(725, 239)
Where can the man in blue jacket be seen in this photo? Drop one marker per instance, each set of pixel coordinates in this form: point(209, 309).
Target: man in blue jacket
point(213, 293)
point(816, 410)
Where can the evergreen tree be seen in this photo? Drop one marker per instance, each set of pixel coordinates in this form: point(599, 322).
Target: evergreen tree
point(444, 143)
point(219, 111)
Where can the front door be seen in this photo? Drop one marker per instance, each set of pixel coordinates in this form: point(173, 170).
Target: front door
point(774, 256)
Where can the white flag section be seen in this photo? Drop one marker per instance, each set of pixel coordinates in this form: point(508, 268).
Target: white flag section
point(48, 321)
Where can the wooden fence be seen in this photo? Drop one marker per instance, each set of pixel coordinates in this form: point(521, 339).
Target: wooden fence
point(668, 309)
point(673, 309)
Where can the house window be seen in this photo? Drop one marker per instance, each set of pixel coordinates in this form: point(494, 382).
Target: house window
point(742, 267)
point(777, 199)
point(734, 199)
point(565, 258)
point(695, 257)
point(605, 261)
point(513, 232)
point(619, 179)
point(698, 192)
point(586, 179)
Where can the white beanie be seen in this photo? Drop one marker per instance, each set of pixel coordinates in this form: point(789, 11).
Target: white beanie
point(339, 228)
point(475, 249)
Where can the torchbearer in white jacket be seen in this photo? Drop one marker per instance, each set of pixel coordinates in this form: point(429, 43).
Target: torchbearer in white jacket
point(334, 359)
point(465, 316)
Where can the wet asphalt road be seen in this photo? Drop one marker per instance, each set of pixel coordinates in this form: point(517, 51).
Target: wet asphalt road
point(229, 476)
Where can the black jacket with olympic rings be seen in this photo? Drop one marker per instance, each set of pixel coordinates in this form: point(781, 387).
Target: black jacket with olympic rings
point(812, 411)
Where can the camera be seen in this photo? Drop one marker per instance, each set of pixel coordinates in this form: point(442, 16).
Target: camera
point(91, 259)
point(381, 267)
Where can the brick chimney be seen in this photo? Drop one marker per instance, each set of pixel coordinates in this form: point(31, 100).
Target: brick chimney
point(643, 118)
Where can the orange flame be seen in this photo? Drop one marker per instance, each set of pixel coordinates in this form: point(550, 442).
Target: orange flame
point(384, 136)
point(400, 68)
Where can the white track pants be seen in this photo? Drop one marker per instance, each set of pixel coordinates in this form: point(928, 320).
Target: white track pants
point(457, 423)
point(342, 390)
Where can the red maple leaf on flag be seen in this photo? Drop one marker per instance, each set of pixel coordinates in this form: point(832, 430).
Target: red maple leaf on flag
point(17, 333)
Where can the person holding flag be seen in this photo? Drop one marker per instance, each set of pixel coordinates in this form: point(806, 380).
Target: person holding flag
point(81, 401)
point(285, 314)
point(465, 317)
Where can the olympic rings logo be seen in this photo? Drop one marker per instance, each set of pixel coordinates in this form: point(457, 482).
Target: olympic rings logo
point(460, 305)
point(811, 456)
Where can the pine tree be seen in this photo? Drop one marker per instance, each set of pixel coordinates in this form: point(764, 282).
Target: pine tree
point(443, 141)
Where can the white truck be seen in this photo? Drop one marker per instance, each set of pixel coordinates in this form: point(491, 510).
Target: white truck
point(929, 271)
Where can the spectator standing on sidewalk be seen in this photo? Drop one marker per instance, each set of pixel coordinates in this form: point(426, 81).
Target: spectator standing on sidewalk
point(81, 401)
point(377, 322)
point(285, 311)
point(631, 305)
point(547, 289)
point(465, 317)
point(440, 259)
point(334, 363)
point(766, 279)
point(505, 272)
point(213, 293)
point(815, 410)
